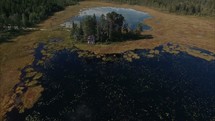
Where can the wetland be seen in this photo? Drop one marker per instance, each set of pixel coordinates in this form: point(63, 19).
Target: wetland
point(134, 85)
point(168, 77)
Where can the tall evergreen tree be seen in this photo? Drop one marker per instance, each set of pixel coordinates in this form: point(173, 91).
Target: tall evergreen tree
point(89, 26)
point(24, 20)
point(24, 13)
point(190, 7)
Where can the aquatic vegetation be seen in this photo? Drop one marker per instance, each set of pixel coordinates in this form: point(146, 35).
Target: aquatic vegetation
point(37, 76)
point(106, 84)
point(81, 85)
point(31, 83)
point(29, 98)
point(109, 58)
point(29, 70)
point(86, 54)
point(102, 68)
point(129, 56)
point(176, 49)
point(40, 63)
point(155, 52)
point(30, 74)
point(14, 61)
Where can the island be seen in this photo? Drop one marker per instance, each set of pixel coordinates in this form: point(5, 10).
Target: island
point(111, 27)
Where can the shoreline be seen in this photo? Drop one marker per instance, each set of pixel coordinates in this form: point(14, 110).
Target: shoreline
point(19, 53)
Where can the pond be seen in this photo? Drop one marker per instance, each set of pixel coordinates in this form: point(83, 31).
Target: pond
point(132, 17)
point(164, 87)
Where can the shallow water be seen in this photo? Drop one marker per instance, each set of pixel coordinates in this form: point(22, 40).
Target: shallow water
point(132, 17)
point(165, 87)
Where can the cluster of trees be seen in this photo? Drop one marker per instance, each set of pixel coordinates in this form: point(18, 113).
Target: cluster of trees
point(24, 13)
point(111, 27)
point(188, 7)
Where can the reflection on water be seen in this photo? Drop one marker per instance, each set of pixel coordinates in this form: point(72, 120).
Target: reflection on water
point(165, 87)
point(132, 17)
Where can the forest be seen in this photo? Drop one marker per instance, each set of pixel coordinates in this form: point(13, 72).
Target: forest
point(185, 7)
point(16, 14)
point(24, 13)
point(106, 28)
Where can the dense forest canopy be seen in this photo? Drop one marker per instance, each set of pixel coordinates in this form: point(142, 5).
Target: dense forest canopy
point(187, 7)
point(18, 14)
point(22, 13)
point(106, 28)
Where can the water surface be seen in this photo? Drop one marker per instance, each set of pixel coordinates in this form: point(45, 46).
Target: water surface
point(165, 87)
point(132, 17)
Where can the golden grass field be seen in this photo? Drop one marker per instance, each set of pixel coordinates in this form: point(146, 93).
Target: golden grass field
point(183, 30)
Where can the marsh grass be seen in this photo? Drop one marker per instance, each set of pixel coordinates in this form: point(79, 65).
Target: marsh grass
point(17, 51)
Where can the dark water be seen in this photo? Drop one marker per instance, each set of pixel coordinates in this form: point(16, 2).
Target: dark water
point(166, 87)
point(38, 56)
point(132, 17)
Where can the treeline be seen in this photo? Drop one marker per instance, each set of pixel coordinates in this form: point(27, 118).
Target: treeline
point(23, 13)
point(106, 28)
point(187, 7)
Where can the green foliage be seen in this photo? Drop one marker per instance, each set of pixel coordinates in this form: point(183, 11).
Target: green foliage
point(77, 32)
point(115, 25)
point(187, 7)
point(89, 26)
point(111, 27)
point(23, 13)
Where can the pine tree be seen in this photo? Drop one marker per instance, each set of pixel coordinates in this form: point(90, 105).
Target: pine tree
point(24, 20)
point(88, 26)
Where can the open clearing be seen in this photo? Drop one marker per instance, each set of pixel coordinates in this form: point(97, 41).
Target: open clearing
point(184, 30)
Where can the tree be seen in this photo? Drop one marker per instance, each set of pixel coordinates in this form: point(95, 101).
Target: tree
point(80, 32)
point(23, 13)
point(125, 28)
point(111, 27)
point(77, 32)
point(139, 28)
point(103, 28)
point(98, 32)
point(89, 26)
point(94, 23)
point(192, 7)
point(24, 20)
point(115, 21)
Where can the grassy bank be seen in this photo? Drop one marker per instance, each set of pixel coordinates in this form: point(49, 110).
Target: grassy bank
point(183, 30)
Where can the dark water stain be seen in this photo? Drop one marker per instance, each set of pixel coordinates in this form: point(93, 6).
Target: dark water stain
point(165, 87)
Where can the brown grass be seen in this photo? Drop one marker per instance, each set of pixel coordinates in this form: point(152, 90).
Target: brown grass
point(186, 30)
